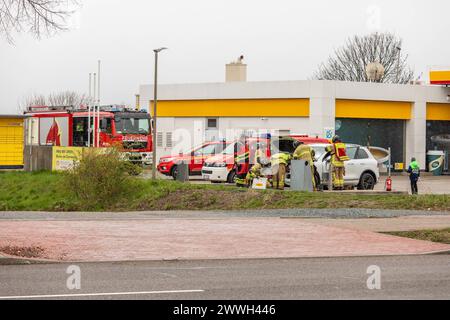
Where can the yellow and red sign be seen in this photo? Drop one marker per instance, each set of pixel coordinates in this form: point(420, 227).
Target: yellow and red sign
point(441, 77)
point(65, 158)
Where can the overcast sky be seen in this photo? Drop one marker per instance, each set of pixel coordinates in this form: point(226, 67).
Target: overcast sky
point(281, 40)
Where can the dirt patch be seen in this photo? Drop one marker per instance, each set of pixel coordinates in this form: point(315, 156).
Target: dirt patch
point(24, 252)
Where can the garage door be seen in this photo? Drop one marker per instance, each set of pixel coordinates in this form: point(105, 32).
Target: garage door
point(11, 143)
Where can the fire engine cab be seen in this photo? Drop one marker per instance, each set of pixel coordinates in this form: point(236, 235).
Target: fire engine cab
point(111, 125)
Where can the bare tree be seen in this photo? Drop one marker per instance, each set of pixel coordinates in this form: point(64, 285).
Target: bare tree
point(40, 17)
point(64, 98)
point(350, 61)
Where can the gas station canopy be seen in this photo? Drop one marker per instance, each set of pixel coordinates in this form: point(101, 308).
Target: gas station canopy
point(441, 77)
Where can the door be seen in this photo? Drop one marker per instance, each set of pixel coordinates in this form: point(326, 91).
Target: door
point(361, 163)
point(352, 167)
point(200, 155)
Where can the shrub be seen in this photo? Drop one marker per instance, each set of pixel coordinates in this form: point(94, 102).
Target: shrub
point(100, 179)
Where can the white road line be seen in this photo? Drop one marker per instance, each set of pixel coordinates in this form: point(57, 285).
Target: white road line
point(99, 294)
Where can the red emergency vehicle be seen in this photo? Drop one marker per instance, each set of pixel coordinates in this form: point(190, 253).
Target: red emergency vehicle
point(168, 165)
point(69, 127)
point(222, 168)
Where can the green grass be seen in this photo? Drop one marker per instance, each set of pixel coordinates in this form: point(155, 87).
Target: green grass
point(45, 191)
point(441, 236)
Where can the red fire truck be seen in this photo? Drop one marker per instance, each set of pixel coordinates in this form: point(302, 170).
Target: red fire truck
point(77, 127)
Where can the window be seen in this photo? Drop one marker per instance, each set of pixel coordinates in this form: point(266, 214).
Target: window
point(362, 154)
point(159, 139)
point(351, 152)
point(319, 151)
point(106, 125)
point(230, 150)
point(206, 150)
point(211, 124)
point(132, 126)
point(169, 142)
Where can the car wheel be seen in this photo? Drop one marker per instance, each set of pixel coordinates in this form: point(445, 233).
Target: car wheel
point(367, 182)
point(232, 177)
point(175, 172)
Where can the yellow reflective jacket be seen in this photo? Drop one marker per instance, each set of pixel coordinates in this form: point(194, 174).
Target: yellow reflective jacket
point(303, 152)
point(335, 160)
point(280, 158)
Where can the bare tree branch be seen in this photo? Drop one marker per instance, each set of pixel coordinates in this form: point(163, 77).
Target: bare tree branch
point(60, 99)
point(40, 17)
point(350, 61)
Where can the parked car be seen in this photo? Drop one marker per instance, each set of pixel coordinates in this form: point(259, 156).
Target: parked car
point(221, 168)
point(168, 165)
point(362, 170)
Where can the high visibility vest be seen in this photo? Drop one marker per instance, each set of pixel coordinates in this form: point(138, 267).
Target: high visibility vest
point(340, 152)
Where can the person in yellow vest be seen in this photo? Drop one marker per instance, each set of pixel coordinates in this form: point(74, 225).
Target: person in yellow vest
point(305, 152)
point(338, 159)
point(279, 162)
point(260, 160)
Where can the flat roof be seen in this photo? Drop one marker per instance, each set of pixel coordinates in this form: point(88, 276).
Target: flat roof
point(303, 89)
point(13, 116)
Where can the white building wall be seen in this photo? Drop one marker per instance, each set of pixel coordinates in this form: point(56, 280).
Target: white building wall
point(322, 95)
point(190, 132)
point(416, 134)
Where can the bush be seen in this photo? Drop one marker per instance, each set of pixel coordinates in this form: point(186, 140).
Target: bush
point(100, 179)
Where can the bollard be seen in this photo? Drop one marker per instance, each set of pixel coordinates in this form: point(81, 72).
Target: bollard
point(183, 172)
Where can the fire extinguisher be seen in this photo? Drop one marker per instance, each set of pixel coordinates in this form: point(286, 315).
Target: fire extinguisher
point(389, 184)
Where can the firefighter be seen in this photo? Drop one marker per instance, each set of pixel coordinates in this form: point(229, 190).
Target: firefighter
point(305, 152)
point(338, 158)
point(260, 160)
point(279, 163)
point(242, 157)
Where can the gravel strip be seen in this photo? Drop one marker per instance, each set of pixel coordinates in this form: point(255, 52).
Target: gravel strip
point(287, 213)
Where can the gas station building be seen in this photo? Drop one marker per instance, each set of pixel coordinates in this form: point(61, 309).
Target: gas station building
point(402, 117)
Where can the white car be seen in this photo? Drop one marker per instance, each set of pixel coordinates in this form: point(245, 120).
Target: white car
point(361, 171)
point(219, 168)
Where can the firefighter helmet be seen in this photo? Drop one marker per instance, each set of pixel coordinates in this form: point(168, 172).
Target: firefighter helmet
point(297, 144)
point(336, 138)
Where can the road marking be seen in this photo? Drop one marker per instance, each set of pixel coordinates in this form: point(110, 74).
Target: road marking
point(99, 294)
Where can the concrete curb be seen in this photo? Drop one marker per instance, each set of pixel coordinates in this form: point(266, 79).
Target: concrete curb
point(23, 261)
point(6, 260)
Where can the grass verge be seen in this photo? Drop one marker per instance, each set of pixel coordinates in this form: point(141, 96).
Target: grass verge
point(440, 236)
point(45, 191)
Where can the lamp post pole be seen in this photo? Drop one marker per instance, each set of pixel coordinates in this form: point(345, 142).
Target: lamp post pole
point(155, 109)
point(398, 64)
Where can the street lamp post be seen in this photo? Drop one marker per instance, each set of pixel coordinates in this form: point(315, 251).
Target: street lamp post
point(155, 105)
point(398, 63)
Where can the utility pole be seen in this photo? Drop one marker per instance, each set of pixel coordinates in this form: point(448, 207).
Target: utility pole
point(155, 109)
point(98, 106)
point(89, 110)
point(94, 113)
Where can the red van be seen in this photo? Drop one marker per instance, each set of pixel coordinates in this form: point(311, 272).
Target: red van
point(168, 165)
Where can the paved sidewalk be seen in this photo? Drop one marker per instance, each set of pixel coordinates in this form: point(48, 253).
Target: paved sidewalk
point(233, 238)
point(427, 185)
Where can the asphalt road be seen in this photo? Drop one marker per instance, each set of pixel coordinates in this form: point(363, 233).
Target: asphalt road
point(407, 277)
